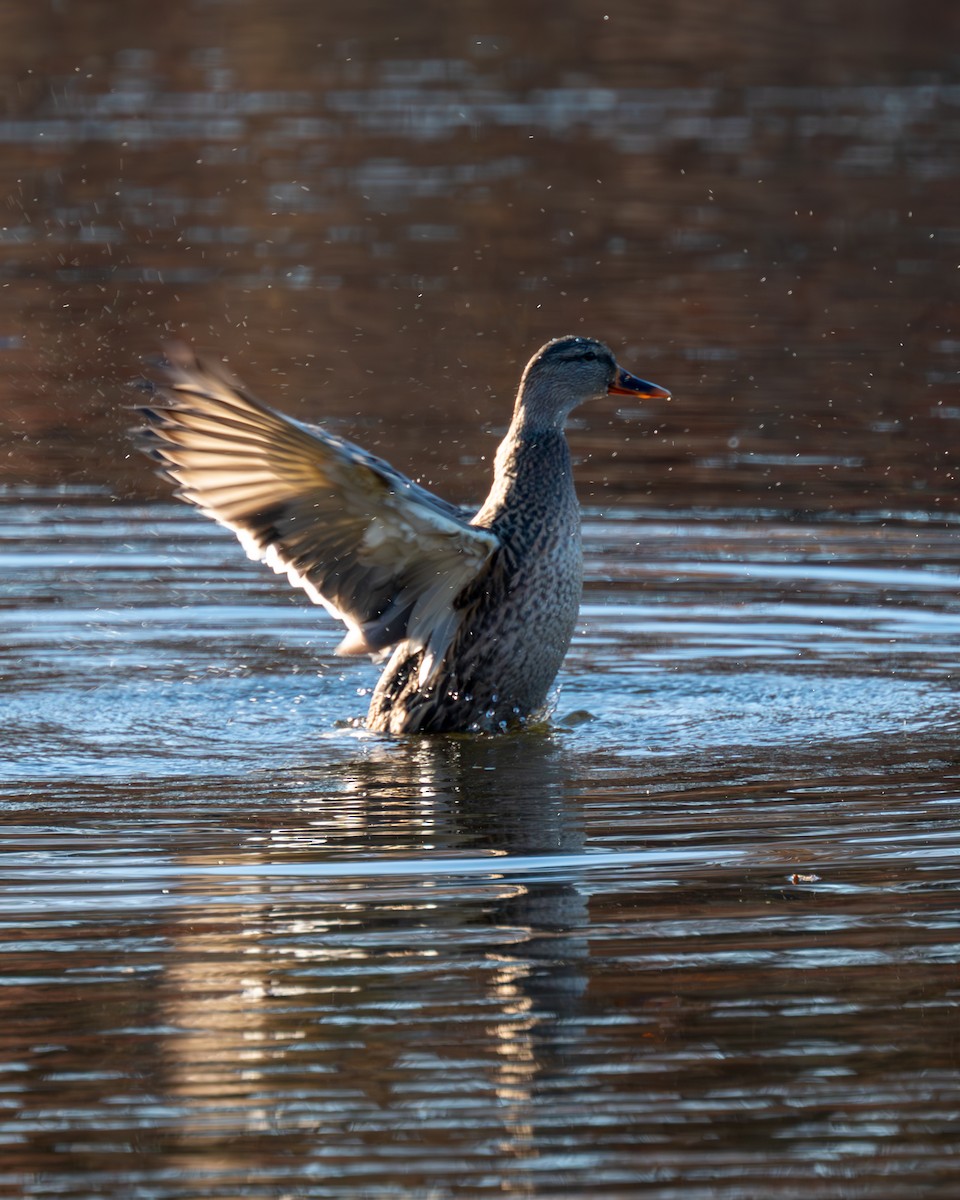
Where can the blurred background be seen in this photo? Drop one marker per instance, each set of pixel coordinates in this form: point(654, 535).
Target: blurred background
point(699, 939)
point(377, 212)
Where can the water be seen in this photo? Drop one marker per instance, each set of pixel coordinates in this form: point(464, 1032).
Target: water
point(697, 939)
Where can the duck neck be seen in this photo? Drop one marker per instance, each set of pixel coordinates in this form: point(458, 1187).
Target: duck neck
point(537, 413)
point(532, 481)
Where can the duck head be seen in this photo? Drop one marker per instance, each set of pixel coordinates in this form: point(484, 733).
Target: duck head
point(569, 371)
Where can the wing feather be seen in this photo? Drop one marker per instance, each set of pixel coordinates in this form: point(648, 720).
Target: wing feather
point(381, 553)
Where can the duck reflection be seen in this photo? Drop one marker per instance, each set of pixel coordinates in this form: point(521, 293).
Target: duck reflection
point(430, 962)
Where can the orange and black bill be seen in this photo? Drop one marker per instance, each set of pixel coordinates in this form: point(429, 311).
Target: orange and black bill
point(629, 385)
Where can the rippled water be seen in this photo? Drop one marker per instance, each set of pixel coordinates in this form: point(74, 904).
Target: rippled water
point(698, 938)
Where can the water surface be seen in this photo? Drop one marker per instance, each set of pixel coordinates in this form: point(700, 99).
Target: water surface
point(698, 938)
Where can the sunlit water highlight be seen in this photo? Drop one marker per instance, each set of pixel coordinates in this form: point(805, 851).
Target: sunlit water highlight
point(697, 940)
point(709, 916)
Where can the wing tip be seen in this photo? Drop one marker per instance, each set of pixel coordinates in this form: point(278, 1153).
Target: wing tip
point(354, 644)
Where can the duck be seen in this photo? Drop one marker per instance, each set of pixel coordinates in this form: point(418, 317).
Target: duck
point(473, 613)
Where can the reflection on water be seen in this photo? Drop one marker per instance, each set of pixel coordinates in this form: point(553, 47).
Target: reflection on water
point(699, 939)
point(704, 929)
point(485, 967)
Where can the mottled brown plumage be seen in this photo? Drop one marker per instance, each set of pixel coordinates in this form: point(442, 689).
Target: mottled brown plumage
point(476, 612)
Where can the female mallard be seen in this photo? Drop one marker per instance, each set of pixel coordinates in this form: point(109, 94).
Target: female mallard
point(478, 611)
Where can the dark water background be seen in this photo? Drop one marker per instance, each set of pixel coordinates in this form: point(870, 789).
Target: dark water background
point(698, 940)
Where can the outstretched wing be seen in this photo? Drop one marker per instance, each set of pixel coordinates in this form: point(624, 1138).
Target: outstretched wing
point(382, 554)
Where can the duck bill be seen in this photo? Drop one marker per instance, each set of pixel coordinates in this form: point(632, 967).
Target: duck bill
point(629, 385)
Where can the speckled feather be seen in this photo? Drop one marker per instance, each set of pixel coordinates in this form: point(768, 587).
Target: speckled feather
point(478, 612)
point(516, 619)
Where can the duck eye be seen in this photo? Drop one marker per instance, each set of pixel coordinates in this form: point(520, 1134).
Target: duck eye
point(588, 356)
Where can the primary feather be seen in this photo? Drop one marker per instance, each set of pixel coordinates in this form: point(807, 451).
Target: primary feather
point(478, 612)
